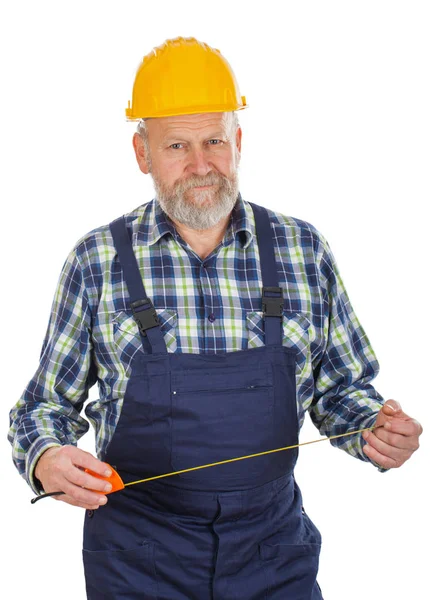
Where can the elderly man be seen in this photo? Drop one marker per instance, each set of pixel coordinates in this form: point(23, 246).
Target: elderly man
point(211, 326)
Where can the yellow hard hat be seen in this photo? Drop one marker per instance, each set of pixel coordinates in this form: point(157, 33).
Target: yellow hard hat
point(181, 77)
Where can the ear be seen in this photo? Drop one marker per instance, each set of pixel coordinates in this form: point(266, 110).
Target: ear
point(239, 139)
point(139, 149)
point(238, 146)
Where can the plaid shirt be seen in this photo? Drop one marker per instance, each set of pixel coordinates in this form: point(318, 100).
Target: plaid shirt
point(204, 306)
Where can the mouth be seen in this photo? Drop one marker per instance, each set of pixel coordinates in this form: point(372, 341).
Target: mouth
point(202, 187)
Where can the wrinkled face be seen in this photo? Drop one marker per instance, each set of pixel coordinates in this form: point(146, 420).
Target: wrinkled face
point(194, 163)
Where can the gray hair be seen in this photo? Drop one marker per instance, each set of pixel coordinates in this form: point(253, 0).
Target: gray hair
point(143, 132)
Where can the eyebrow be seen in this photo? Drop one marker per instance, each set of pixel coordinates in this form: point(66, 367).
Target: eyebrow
point(171, 137)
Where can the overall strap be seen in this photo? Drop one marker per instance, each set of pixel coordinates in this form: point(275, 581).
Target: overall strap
point(272, 300)
point(143, 310)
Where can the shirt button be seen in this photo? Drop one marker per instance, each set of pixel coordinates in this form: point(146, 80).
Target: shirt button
point(211, 317)
point(90, 514)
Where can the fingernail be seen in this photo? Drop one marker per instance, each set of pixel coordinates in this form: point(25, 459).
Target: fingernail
point(107, 473)
point(107, 487)
point(102, 500)
point(387, 425)
point(366, 435)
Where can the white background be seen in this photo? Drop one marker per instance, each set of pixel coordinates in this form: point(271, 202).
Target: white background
point(337, 133)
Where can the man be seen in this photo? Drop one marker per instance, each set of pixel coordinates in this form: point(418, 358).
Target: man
point(211, 326)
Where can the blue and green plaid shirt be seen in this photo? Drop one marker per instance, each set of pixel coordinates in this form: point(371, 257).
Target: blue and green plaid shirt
point(204, 306)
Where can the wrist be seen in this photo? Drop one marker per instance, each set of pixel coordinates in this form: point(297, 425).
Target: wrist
point(40, 465)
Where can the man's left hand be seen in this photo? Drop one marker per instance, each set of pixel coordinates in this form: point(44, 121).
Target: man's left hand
point(396, 438)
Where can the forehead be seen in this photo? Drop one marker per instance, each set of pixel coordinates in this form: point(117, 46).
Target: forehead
point(188, 124)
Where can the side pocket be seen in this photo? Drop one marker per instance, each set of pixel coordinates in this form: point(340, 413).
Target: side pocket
point(291, 569)
point(113, 574)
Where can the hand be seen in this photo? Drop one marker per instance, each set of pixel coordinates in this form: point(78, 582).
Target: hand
point(61, 468)
point(396, 439)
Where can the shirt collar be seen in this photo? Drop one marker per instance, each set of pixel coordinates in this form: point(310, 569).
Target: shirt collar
point(157, 224)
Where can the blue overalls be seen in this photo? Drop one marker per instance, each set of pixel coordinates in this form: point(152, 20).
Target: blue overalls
point(231, 532)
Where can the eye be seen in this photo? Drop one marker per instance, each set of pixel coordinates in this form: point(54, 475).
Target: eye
point(176, 144)
point(215, 140)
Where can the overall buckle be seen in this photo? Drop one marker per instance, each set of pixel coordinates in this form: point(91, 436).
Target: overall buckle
point(273, 306)
point(144, 317)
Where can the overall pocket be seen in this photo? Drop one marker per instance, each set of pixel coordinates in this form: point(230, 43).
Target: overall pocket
point(291, 565)
point(114, 574)
point(221, 414)
point(208, 425)
point(291, 570)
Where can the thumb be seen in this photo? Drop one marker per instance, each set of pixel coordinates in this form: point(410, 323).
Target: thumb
point(391, 408)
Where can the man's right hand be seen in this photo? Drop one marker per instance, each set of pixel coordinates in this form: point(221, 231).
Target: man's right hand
point(61, 469)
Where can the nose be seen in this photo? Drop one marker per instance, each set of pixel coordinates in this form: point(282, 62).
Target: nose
point(199, 164)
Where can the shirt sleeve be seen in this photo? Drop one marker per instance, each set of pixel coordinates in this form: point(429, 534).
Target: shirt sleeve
point(48, 412)
point(344, 398)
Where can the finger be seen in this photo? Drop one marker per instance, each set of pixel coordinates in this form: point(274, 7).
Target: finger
point(383, 461)
point(85, 480)
point(81, 496)
point(86, 460)
point(382, 446)
point(395, 456)
point(69, 500)
point(395, 440)
point(409, 427)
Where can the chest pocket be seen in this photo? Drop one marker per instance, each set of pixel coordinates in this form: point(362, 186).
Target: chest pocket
point(295, 328)
point(127, 337)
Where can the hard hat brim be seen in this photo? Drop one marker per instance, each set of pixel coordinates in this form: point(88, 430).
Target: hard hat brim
point(182, 111)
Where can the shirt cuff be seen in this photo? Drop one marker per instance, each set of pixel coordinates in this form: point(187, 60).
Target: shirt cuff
point(35, 451)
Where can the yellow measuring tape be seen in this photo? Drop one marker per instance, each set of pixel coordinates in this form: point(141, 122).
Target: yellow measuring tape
point(223, 462)
point(118, 484)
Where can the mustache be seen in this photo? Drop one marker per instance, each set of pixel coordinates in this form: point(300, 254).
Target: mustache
point(195, 181)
